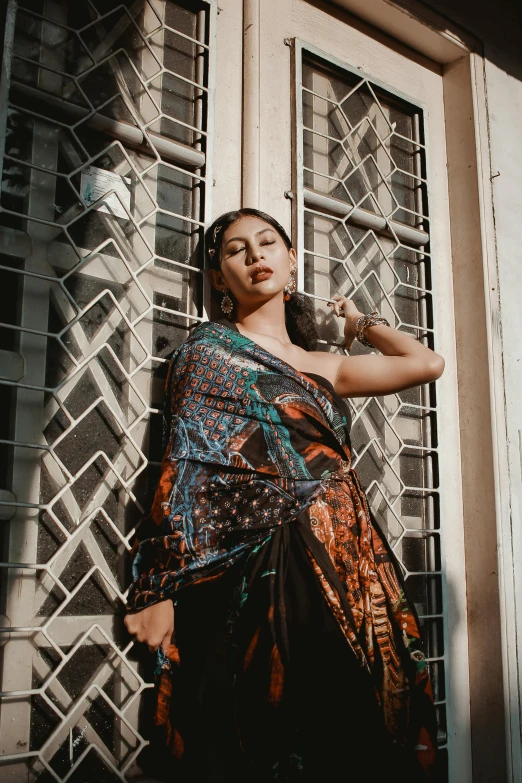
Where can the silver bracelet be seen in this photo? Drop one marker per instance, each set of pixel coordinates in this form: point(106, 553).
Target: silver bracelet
point(364, 322)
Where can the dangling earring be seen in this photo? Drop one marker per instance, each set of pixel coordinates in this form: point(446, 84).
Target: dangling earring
point(227, 305)
point(290, 287)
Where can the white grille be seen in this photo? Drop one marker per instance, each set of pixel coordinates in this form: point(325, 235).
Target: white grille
point(364, 232)
point(94, 303)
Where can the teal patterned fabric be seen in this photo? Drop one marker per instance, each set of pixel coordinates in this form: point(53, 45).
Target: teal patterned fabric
point(249, 440)
point(257, 468)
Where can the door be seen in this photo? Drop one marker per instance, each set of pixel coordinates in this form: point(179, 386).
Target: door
point(344, 142)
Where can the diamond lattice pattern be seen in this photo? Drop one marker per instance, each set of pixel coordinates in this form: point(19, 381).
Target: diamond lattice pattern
point(98, 293)
point(364, 191)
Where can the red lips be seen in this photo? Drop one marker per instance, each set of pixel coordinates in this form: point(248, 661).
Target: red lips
point(260, 270)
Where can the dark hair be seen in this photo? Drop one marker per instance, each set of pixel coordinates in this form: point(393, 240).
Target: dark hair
point(299, 311)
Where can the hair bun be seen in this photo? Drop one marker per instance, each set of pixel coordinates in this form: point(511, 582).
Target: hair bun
point(301, 323)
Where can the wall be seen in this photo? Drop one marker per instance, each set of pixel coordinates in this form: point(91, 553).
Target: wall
point(498, 26)
point(487, 273)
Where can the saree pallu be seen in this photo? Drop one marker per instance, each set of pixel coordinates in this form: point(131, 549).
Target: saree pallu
point(257, 488)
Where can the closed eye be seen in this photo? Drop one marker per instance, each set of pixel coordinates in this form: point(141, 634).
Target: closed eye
point(237, 250)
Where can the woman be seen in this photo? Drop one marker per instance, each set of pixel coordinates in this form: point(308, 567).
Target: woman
point(296, 653)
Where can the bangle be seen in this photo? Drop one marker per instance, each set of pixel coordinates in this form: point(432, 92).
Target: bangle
point(364, 322)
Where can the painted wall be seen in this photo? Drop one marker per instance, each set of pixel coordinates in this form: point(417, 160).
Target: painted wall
point(499, 27)
point(505, 117)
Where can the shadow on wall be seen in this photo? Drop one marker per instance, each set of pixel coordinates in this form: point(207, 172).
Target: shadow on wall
point(497, 24)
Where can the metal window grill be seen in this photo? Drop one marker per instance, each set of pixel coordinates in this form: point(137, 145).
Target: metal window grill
point(94, 300)
point(364, 232)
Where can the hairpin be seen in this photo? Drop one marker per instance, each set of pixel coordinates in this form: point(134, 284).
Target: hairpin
point(216, 232)
point(211, 252)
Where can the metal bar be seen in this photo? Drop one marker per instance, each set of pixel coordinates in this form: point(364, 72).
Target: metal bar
point(364, 218)
point(431, 587)
point(7, 511)
point(198, 119)
point(5, 80)
point(298, 166)
point(111, 35)
point(207, 212)
point(123, 131)
point(181, 35)
point(26, 472)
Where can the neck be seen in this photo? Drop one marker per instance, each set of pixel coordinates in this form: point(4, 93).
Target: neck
point(267, 319)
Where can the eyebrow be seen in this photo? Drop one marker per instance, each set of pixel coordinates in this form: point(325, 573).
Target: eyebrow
point(239, 239)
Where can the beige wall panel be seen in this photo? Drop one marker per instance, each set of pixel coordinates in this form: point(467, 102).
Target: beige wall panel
point(504, 102)
point(226, 193)
point(351, 40)
point(474, 401)
point(276, 109)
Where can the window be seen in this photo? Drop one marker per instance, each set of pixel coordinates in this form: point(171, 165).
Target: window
point(104, 196)
point(364, 232)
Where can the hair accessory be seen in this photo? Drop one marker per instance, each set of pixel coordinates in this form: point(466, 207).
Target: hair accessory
point(227, 305)
point(364, 322)
point(211, 252)
point(290, 287)
point(216, 232)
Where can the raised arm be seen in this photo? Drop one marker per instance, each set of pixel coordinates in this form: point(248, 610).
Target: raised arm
point(404, 362)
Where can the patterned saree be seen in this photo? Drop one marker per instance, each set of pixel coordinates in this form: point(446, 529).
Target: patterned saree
point(261, 534)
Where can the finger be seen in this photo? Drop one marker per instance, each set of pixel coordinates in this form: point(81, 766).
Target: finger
point(153, 643)
point(340, 303)
point(166, 641)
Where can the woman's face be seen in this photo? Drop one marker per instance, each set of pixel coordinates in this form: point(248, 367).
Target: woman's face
point(255, 262)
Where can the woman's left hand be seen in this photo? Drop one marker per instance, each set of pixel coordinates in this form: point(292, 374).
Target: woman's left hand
point(403, 361)
point(342, 306)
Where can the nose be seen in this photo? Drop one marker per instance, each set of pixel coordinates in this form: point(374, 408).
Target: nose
point(255, 254)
